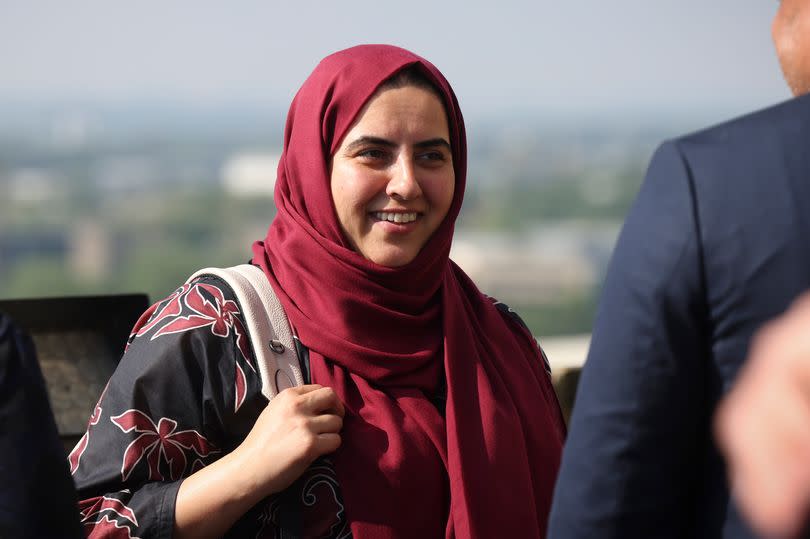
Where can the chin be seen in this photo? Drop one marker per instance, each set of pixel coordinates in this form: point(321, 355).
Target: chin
point(796, 76)
point(800, 88)
point(394, 259)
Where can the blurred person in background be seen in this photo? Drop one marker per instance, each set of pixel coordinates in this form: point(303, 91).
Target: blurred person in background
point(763, 426)
point(715, 245)
point(429, 411)
point(37, 497)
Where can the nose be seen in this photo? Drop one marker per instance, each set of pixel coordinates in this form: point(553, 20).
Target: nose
point(404, 183)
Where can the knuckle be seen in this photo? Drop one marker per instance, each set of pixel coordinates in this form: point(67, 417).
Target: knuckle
point(297, 405)
point(282, 401)
point(300, 422)
point(309, 443)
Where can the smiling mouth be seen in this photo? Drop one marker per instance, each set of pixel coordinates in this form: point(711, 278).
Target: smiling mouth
point(395, 217)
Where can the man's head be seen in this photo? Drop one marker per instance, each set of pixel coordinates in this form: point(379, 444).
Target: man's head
point(791, 35)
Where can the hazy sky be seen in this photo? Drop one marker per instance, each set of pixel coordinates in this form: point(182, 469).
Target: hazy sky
point(538, 55)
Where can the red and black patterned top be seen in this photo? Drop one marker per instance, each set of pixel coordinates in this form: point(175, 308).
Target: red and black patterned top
point(186, 392)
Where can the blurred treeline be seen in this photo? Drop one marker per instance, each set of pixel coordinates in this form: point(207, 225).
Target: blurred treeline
point(99, 207)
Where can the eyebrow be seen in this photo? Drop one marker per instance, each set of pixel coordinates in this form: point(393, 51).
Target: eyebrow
point(438, 141)
point(364, 140)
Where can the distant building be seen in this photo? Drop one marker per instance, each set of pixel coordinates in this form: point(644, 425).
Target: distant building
point(250, 174)
point(90, 255)
point(540, 266)
point(128, 174)
point(19, 245)
point(565, 352)
point(33, 185)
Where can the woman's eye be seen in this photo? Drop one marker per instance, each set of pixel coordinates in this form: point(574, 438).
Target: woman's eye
point(372, 154)
point(432, 156)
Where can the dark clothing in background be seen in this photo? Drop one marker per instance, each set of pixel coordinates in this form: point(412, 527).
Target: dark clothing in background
point(717, 243)
point(37, 497)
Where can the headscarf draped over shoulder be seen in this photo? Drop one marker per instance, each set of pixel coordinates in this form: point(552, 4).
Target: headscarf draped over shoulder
point(390, 340)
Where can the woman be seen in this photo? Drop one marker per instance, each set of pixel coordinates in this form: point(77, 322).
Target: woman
point(431, 413)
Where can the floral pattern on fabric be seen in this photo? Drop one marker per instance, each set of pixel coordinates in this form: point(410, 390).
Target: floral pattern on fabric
point(108, 516)
point(314, 501)
point(186, 392)
point(161, 445)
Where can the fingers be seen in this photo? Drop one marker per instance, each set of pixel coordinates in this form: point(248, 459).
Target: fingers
point(328, 442)
point(325, 400)
point(315, 399)
point(312, 399)
point(326, 423)
point(302, 390)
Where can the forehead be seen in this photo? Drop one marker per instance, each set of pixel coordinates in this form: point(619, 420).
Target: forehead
point(409, 111)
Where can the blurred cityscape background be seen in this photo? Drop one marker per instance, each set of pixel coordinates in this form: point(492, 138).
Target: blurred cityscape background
point(140, 143)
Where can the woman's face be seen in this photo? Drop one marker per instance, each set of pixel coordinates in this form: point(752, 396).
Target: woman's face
point(392, 177)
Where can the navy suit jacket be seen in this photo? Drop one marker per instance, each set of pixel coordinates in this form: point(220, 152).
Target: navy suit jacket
point(716, 243)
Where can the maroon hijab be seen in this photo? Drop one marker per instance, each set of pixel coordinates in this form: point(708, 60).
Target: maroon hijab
point(385, 338)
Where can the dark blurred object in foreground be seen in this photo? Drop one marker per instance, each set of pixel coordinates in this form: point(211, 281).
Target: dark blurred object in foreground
point(37, 496)
point(79, 341)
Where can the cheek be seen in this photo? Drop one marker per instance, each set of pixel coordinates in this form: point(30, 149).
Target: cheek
point(351, 192)
point(341, 198)
point(441, 193)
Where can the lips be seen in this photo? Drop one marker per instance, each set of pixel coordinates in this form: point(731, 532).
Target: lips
point(396, 217)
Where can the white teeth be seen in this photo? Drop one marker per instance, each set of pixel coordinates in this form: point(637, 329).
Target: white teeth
point(395, 217)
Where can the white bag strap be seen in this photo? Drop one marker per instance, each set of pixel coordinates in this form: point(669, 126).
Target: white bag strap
point(267, 325)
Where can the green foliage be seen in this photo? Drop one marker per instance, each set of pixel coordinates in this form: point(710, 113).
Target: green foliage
point(606, 196)
point(43, 276)
point(567, 315)
point(156, 237)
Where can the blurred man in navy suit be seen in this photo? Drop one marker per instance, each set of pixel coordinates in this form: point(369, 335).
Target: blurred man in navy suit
point(37, 496)
point(716, 244)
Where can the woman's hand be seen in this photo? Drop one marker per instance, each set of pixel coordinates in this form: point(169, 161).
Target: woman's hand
point(297, 426)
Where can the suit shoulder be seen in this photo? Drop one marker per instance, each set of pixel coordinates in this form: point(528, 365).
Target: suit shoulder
point(788, 117)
